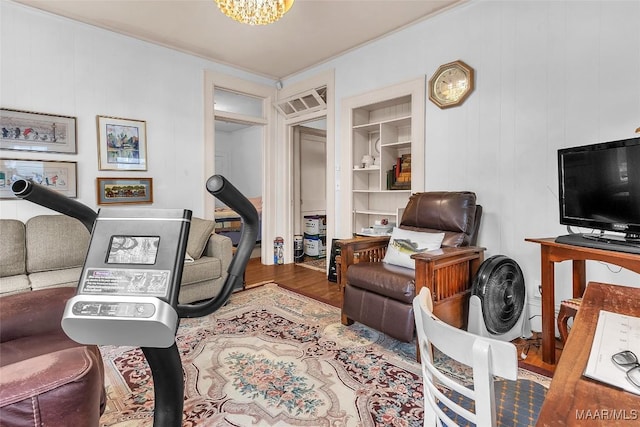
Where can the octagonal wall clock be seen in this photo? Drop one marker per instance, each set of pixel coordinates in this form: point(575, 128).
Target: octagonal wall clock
point(451, 84)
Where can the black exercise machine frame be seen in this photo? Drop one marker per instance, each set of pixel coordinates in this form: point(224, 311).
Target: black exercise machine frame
point(165, 363)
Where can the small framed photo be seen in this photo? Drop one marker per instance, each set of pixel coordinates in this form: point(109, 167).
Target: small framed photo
point(58, 176)
point(28, 131)
point(115, 191)
point(122, 144)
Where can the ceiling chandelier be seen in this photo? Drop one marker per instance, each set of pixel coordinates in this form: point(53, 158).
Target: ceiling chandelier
point(255, 12)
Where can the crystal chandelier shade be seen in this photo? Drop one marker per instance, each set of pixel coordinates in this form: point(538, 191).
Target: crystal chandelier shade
point(255, 12)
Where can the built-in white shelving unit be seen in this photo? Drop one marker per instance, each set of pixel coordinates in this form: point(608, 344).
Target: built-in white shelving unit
point(387, 125)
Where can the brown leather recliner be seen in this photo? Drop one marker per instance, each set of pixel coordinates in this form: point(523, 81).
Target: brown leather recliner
point(45, 377)
point(380, 295)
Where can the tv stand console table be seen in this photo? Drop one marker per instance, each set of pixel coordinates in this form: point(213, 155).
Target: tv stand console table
point(552, 252)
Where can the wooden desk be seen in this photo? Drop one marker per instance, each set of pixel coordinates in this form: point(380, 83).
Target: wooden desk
point(574, 400)
point(552, 252)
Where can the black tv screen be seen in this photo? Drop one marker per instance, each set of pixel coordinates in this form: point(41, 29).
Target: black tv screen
point(600, 186)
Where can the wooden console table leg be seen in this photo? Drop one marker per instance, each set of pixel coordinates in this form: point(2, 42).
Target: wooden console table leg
point(547, 278)
point(579, 278)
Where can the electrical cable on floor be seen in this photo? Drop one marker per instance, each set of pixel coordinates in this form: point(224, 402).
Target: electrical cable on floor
point(535, 342)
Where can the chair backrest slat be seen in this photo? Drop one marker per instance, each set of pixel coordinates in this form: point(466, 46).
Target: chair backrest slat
point(488, 357)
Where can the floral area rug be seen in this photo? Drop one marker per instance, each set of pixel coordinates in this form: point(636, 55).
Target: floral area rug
point(272, 357)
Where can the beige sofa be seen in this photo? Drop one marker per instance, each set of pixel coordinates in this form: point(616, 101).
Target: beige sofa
point(48, 251)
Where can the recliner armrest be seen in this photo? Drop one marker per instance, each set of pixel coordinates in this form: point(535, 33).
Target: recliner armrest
point(352, 251)
point(448, 273)
point(457, 254)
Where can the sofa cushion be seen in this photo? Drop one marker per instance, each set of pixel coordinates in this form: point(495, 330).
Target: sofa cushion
point(12, 249)
point(404, 243)
point(383, 279)
point(55, 278)
point(14, 284)
point(199, 233)
point(55, 242)
point(204, 268)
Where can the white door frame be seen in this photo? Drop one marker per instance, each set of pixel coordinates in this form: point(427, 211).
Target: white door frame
point(268, 94)
point(285, 176)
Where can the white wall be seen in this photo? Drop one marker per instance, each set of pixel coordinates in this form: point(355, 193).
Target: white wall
point(549, 74)
point(242, 150)
point(54, 65)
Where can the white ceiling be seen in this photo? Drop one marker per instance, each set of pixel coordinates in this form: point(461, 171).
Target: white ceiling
point(312, 32)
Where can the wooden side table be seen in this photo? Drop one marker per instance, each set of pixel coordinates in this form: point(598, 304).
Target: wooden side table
point(552, 252)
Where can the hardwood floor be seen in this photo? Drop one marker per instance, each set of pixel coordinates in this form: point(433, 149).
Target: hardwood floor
point(303, 280)
point(314, 284)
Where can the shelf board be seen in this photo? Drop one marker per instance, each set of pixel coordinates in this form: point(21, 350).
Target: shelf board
point(374, 126)
point(373, 212)
point(368, 127)
point(376, 168)
point(403, 121)
point(397, 144)
point(383, 191)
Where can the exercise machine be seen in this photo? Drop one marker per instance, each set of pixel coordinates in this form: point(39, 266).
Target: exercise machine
point(130, 281)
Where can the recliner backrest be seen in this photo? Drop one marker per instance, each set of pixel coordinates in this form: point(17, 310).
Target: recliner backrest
point(454, 212)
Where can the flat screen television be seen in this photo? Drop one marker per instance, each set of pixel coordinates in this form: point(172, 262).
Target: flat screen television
point(600, 188)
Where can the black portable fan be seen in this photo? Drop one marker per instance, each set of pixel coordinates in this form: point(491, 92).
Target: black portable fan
point(497, 307)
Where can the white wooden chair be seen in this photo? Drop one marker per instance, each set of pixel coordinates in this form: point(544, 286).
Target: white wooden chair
point(491, 401)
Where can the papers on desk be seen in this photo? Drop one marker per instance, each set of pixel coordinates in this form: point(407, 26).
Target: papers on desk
point(614, 333)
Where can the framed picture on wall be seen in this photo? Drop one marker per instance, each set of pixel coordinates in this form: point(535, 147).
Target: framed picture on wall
point(29, 131)
point(114, 191)
point(122, 144)
point(58, 176)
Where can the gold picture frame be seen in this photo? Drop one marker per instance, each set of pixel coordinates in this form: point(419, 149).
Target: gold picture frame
point(117, 191)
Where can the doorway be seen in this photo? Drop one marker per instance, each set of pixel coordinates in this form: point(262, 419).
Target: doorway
point(310, 171)
point(239, 158)
point(310, 189)
point(277, 147)
point(316, 123)
point(237, 129)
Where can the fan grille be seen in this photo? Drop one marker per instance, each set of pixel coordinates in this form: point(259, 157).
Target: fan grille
point(501, 288)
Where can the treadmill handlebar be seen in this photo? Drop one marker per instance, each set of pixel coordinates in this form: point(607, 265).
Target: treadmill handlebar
point(53, 200)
